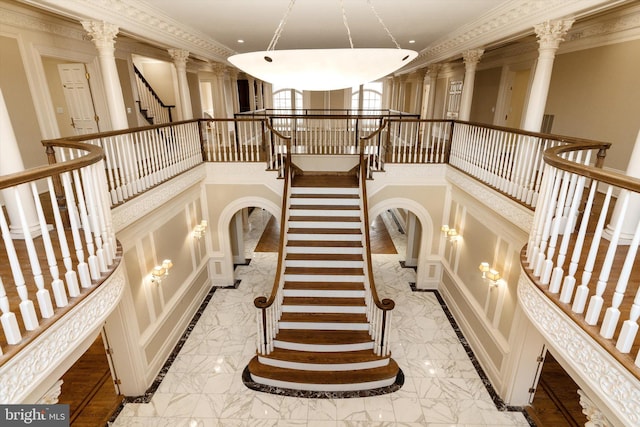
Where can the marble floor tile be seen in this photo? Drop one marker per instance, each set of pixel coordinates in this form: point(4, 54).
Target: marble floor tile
point(202, 384)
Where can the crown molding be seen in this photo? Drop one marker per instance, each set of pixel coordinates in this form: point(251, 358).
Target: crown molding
point(140, 21)
point(511, 20)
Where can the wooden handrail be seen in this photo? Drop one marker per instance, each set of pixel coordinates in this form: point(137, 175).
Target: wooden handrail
point(385, 304)
point(94, 155)
point(261, 301)
point(552, 157)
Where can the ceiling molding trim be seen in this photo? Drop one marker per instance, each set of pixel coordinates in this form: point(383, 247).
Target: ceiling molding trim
point(511, 20)
point(141, 21)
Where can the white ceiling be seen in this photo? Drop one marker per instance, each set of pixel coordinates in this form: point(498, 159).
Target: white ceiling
point(319, 23)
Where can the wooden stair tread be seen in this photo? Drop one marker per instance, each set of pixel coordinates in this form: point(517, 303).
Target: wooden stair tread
point(325, 231)
point(327, 207)
point(334, 271)
point(325, 286)
point(324, 196)
point(321, 301)
point(324, 317)
point(325, 257)
point(326, 218)
point(325, 244)
point(325, 180)
point(323, 377)
point(358, 356)
point(323, 337)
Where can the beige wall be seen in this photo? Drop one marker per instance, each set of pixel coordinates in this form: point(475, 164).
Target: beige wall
point(124, 72)
point(22, 112)
point(63, 118)
point(194, 92)
point(160, 76)
point(485, 95)
point(594, 95)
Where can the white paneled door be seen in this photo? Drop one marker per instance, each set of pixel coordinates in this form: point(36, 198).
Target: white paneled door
point(77, 93)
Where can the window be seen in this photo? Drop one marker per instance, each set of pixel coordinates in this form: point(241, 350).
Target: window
point(367, 97)
point(286, 99)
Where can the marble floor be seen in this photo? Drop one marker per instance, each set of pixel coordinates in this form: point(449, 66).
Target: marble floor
point(202, 385)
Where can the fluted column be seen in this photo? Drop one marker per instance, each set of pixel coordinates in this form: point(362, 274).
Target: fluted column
point(259, 96)
point(471, 59)
point(233, 74)
point(252, 93)
point(432, 73)
point(419, 91)
point(103, 35)
point(180, 57)
point(11, 162)
point(402, 89)
point(550, 34)
point(219, 103)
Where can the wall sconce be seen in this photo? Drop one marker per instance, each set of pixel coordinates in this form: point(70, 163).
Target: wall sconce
point(489, 273)
point(159, 272)
point(484, 268)
point(444, 229)
point(453, 235)
point(200, 229)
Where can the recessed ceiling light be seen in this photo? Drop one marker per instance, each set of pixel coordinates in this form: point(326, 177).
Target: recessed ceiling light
point(411, 41)
point(240, 41)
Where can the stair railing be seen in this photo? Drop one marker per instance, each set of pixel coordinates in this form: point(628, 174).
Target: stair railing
point(149, 103)
point(378, 311)
point(269, 310)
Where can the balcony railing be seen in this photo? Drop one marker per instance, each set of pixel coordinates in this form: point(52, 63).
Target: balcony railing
point(57, 241)
point(554, 175)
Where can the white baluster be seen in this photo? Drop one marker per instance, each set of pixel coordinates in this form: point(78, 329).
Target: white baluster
point(569, 282)
point(596, 301)
point(57, 285)
point(583, 290)
point(9, 322)
point(83, 267)
point(612, 315)
point(27, 309)
point(630, 327)
point(549, 210)
point(43, 296)
point(70, 276)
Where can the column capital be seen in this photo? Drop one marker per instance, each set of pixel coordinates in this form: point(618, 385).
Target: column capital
point(551, 33)
point(103, 34)
point(592, 412)
point(179, 56)
point(433, 70)
point(218, 69)
point(471, 57)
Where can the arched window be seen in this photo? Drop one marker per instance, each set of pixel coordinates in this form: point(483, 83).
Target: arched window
point(367, 97)
point(286, 98)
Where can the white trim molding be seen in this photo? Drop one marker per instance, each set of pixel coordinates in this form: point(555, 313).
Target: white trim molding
point(614, 389)
point(137, 208)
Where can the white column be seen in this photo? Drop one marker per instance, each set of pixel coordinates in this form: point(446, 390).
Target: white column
point(419, 90)
point(550, 34)
point(632, 216)
point(414, 232)
point(11, 162)
point(432, 72)
point(219, 109)
point(259, 97)
point(471, 59)
point(103, 36)
point(233, 74)
point(180, 57)
point(252, 93)
point(402, 89)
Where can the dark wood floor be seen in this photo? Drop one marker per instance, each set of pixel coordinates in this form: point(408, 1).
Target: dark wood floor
point(556, 402)
point(89, 390)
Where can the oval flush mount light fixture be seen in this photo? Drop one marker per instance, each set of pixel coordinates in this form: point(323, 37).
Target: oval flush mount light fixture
point(323, 69)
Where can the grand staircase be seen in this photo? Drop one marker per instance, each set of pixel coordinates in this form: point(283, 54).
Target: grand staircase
point(323, 340)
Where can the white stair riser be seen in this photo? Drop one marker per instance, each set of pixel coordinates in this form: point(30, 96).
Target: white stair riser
point(323, 278)
point(313, 326)
point(326, 237)
point(324, 190)
point(323, 250)
point(324, 212)
point(323, 348)
point(321, 293)
point(324, 387)
point(324, 224)
point(323, 366)
point(324, 201)
point(325, 263)
point(323, 309)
